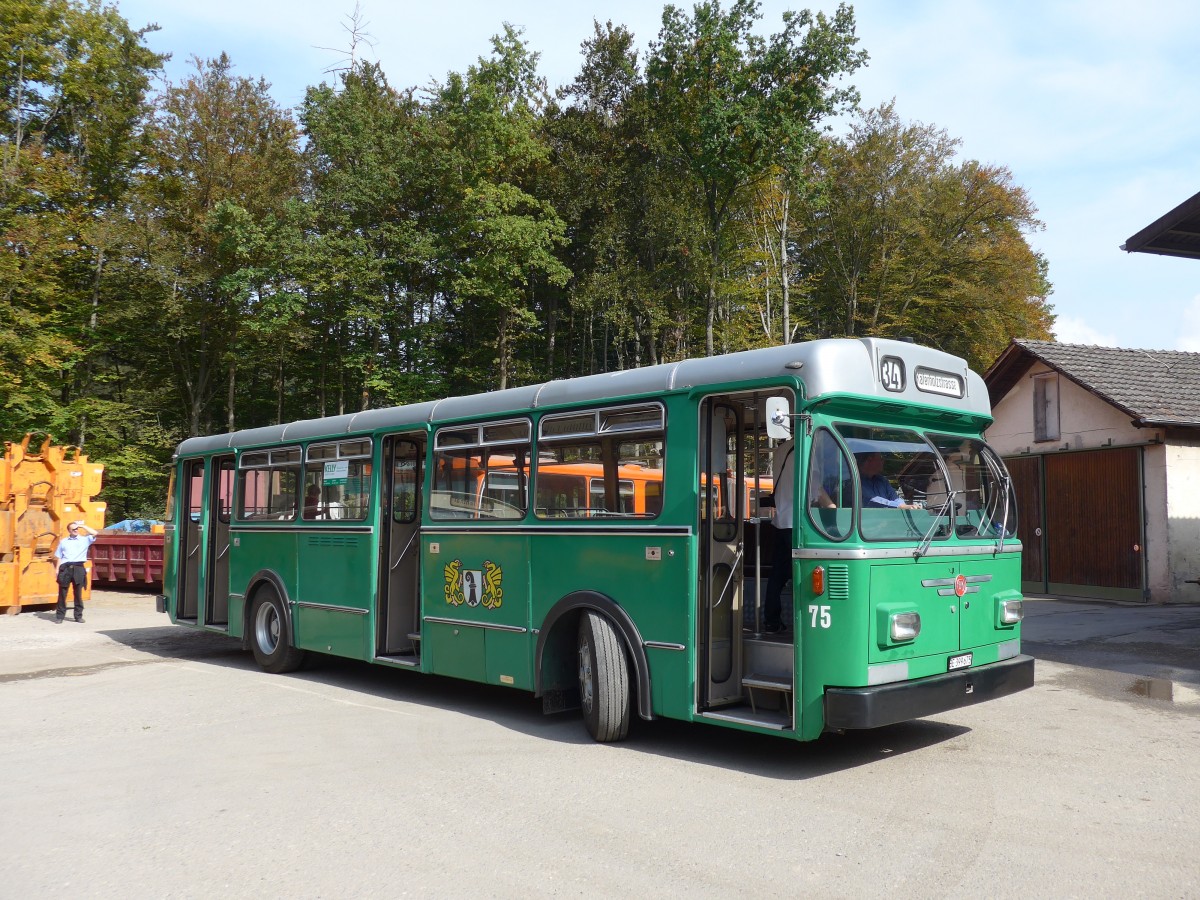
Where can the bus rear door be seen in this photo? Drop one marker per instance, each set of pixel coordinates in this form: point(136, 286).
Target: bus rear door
point(399, 619)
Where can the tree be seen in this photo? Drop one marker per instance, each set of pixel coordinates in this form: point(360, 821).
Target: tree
point(909, 242)
point(370, 257)
point(498, 238)
point(73, 85)
point(731, 105)
point(221, 145)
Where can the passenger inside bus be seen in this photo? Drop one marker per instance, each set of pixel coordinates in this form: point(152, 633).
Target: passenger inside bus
point(312, 502)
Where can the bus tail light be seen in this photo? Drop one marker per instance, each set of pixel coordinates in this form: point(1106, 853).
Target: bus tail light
point(1011, 612)
point(818, 581)
point(905, 626)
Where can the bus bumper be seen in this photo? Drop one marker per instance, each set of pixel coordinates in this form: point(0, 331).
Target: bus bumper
point(887, 704)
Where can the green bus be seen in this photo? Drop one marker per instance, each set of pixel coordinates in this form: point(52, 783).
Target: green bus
point(600, 541)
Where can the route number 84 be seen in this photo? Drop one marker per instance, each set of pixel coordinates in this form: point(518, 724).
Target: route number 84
point(820, 616)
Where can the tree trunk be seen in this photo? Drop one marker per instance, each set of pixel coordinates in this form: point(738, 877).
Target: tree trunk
point(229, 395)
point(784, 275)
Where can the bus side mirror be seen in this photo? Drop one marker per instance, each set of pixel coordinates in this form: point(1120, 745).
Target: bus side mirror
point(779, 418)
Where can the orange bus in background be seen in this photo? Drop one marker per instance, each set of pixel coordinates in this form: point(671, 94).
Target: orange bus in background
point(576, 490)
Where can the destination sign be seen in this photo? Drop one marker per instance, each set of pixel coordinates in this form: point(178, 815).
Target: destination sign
point(931, 381)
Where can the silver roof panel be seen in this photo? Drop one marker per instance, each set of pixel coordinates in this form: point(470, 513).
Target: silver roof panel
point(832, 366)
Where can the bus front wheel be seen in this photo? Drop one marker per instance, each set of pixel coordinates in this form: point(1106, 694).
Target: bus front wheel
point(603, 679)
point(269, 637)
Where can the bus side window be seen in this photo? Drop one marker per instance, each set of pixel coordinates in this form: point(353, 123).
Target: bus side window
point(269, 485)
point(612, 456)
point(481, 471)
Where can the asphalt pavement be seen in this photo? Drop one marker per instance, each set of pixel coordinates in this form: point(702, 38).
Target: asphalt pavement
point(147, 760)
point(1153, 642)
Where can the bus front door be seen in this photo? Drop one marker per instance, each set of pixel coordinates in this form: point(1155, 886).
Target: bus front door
point(399, 614)
point(722, 516)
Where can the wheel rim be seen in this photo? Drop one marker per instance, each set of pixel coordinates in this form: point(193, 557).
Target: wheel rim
point(266, 628)
point(586, 689)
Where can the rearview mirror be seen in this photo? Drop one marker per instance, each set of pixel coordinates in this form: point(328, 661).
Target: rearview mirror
point(779, 418)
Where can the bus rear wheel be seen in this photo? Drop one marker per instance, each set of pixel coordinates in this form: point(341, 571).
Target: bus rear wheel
point(603, 679)
point(269, 636)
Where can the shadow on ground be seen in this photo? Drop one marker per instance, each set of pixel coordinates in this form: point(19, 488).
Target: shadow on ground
point(755, 754)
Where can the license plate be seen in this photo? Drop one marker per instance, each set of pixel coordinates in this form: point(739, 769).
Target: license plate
point(962, 661)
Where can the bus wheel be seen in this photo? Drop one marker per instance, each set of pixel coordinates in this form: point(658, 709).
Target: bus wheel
point(269, 636)
point(603, 679)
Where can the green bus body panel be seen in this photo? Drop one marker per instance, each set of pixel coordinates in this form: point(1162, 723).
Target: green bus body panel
point(652, 591)
point(494, 608)
point(331, 631)
point(256, 551)
point(335, 569)
point(311, 574)
point(455, 650)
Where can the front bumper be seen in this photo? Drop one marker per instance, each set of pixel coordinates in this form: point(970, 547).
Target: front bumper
point(902, 701)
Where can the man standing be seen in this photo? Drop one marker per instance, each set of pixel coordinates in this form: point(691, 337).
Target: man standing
point(71, 553)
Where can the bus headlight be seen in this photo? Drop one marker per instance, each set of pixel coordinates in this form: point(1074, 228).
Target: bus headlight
point(1011, 612)
point(905, 626)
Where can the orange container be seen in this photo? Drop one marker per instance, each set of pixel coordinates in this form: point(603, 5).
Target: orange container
point(41, 491)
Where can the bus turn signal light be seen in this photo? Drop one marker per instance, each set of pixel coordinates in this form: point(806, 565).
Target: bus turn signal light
point(818, 581)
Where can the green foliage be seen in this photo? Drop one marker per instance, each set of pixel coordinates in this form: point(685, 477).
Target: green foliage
point(202, 260)
point(905, 233)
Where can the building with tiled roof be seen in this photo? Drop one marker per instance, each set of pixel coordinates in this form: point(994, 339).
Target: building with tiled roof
point(1103, 444)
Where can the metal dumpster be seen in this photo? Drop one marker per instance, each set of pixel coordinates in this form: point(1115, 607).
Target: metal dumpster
point(123, 559)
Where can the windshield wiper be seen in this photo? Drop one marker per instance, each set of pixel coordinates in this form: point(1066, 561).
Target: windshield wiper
point(923, 547)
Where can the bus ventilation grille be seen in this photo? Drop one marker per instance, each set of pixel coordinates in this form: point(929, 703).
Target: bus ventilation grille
point(837, 583)
point(331, 540)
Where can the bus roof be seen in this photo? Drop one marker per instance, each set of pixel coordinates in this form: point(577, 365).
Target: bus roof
point(894, 371)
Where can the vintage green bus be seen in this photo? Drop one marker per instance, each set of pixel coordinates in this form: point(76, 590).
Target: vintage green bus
point(456, 537)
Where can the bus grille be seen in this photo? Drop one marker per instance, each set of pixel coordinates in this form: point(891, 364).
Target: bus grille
point(331, 540)
point(837, 583)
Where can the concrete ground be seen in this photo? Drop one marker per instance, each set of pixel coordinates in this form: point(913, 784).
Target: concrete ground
point(147, 760)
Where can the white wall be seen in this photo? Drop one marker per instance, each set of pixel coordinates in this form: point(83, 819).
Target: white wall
point(1182, 471)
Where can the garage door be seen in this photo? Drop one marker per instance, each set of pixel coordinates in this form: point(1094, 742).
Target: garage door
point(1026, 472)
point(1093, 523)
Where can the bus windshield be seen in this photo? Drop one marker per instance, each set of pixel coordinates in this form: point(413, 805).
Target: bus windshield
point(983, 502)
point(927, 486)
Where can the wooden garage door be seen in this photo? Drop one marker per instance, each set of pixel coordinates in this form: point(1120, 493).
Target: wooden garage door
point(1026, 472)
point(1094, 522)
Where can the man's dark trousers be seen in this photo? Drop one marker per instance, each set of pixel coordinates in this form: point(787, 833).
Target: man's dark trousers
point(71, 575)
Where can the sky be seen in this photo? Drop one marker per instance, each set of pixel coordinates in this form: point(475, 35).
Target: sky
point(1091, 104)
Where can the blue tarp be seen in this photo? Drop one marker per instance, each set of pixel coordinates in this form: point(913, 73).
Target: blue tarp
point(134, 526)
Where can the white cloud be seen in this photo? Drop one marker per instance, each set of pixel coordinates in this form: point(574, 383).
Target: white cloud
point(1189, 333)
point(1072, 330)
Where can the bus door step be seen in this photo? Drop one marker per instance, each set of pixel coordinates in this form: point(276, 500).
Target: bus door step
point(760, 682)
